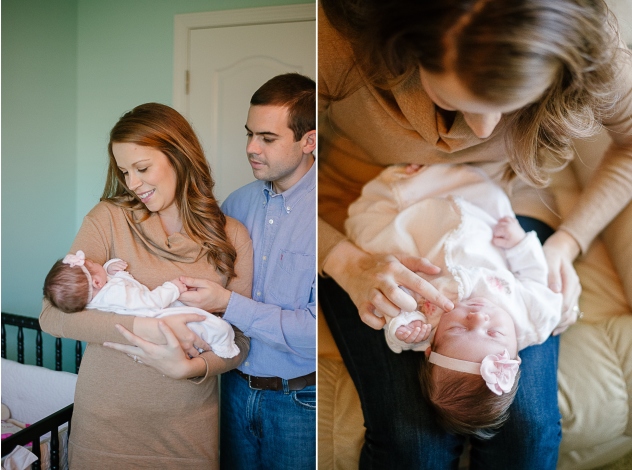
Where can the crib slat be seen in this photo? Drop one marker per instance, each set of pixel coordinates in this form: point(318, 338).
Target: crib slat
point(20, 345)
point(37, 450)
point(38, 349)
point(78, 355)
point(54, 449)
point(4, 342)
point(58, 354)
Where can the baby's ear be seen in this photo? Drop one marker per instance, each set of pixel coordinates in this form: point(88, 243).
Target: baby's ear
point(428, 351)
point(97, 283)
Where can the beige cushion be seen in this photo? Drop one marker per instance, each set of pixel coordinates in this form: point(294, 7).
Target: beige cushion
point(340, 429)
point(618, 237)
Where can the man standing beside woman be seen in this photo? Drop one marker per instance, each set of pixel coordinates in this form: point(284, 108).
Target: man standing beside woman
point(268, 404)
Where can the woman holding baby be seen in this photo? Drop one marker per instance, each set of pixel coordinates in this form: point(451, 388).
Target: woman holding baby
point(504, 85)
point(157, 406)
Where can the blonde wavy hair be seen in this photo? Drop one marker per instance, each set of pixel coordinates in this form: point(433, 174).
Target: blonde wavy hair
point(501, 50)
point(160, 127)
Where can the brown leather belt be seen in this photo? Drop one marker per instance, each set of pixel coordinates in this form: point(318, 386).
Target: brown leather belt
point(276, 383)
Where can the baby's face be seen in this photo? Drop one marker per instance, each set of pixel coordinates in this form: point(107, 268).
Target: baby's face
point(475, 328)
point(99, 276)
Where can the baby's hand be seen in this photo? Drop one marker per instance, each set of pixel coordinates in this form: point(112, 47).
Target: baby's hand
point(507, 233)
point(412, 168)
point(179, 284)
point(415, 332)
point(117, 266)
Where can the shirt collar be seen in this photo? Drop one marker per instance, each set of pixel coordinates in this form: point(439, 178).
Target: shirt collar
point(293, 195)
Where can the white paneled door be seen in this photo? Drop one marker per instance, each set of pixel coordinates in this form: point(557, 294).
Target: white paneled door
point(221, 58)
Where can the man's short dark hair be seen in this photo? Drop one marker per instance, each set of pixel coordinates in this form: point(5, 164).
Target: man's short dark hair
point(294, 91)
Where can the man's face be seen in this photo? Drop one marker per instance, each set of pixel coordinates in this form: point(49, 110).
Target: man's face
point(272, 152)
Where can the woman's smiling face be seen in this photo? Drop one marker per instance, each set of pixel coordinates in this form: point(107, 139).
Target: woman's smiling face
point(475, 328)
point(149, 174)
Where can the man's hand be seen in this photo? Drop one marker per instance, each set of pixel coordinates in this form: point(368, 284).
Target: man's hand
point(204, 294)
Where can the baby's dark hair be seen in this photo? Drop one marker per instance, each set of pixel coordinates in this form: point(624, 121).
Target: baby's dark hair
point(67, 287)
point(462, 402)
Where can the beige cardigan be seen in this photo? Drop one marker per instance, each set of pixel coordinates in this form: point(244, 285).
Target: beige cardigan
point(128, 415)
point(371, 128)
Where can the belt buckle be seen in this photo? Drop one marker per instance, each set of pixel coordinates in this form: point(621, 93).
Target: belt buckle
point(250, 384)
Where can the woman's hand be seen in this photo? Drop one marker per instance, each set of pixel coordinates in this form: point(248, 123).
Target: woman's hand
point(169, 359)
point(373, 281)
point(560, 251)
point(204, 294)
point(190, 343)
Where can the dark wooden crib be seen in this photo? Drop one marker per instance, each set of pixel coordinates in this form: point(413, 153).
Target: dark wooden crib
point(52, 422)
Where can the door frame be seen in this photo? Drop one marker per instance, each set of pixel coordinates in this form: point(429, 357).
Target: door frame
point(185, 23)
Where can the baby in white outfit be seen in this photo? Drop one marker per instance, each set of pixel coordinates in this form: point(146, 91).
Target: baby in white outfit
point(77, 283)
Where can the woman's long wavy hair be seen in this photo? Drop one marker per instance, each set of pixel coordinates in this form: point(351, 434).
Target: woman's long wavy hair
point(501, 50)
point(163, 128)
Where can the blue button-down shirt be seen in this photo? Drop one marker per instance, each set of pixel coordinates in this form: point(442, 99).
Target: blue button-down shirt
point(280, 318)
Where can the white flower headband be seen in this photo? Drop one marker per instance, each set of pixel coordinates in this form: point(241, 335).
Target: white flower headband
point(79, 259)
point(498, 370)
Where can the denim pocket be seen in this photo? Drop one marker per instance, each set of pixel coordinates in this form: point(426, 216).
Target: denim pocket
point(305, 399)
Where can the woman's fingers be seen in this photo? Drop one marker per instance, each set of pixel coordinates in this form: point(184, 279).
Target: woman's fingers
point(560, 251)
point(417, 264)
point(190, 342)
point(169, 335)
point(570, 309)
point(418, 284)
point(135, 349)
point(385, 297)
point(571, 287)
point(391, 302)
point(169, 359)
point(373, 282)
point(554, 261)
point(370, 318)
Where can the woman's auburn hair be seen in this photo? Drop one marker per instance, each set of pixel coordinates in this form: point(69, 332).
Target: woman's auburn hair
point(501, 50)
point(162, 128)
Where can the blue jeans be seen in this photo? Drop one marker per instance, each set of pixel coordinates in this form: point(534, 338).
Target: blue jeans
point(264, 429)
point(401, 431)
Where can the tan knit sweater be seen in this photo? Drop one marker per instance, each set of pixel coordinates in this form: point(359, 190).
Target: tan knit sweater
point(371, 128)
point(128, 415)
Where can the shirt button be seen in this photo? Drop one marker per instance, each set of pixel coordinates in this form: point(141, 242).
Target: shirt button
point(258, 293)
point(247, 364)
point(270, 221)
point(265, 258)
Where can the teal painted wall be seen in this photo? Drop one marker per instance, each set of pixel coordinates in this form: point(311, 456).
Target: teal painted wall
point(39, 141)
point(39, 171)
point(70, 69)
